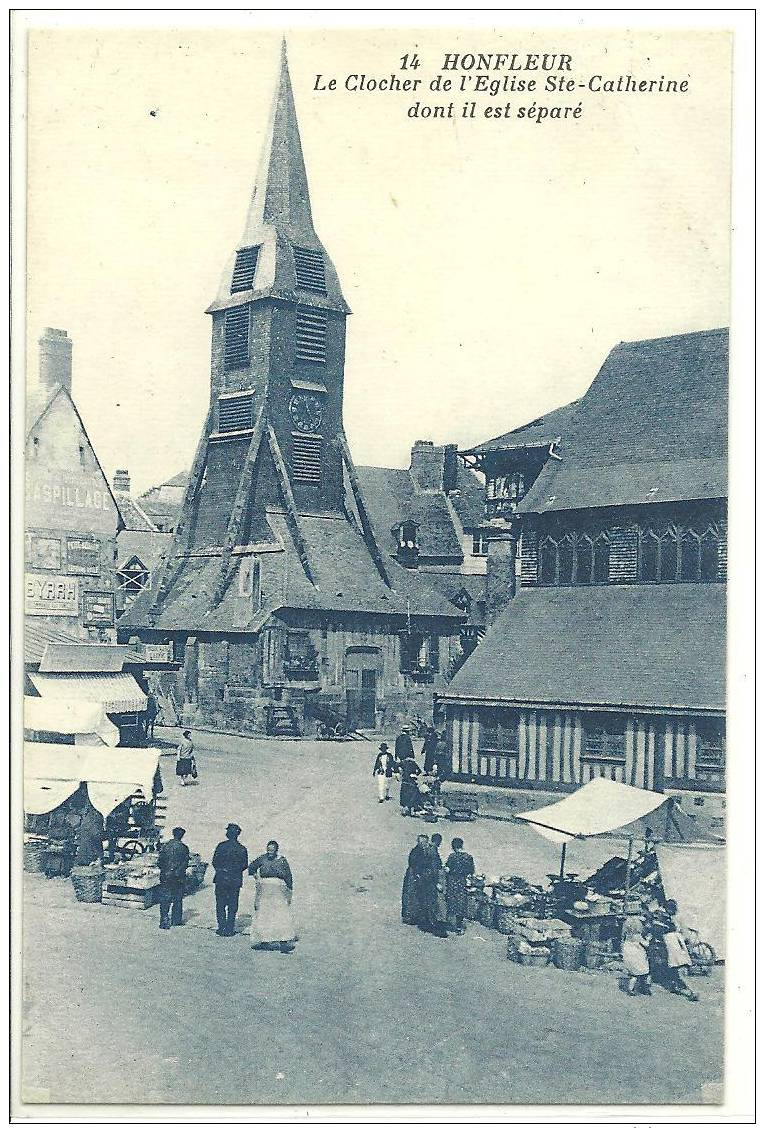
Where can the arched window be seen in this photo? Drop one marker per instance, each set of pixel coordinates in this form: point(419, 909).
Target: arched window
point(648, 556)
point(584, 559)
point(548, 561)
point(601, 554)
point(710, 543)
point(690, 549)
point(566, 560)
point(673, 554)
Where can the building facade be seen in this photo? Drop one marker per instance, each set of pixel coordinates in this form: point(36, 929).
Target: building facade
point(275, 595)
point(71, 518)
point(610, 658)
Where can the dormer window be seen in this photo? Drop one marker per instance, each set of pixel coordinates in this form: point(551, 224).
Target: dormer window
point(244, 269)
point(407, 546)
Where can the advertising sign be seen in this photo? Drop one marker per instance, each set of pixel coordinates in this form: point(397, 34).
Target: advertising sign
point(51, 595)
point(98, 608)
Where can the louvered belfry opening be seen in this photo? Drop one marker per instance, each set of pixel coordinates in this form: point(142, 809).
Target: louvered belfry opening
point(235, 413)
point(244, 269)
point(309, 269)
point(306, 458)
point(237, 337)
point(311, 336)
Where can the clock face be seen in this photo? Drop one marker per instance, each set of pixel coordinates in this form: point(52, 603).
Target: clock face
point(306, 412)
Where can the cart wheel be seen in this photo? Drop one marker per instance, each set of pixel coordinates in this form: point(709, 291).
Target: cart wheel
point(132, 849)
point(704, 956)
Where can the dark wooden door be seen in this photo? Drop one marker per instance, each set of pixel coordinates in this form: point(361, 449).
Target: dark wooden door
point(368, 702)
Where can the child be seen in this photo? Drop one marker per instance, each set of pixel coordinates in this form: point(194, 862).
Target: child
point(678, 956)
point(634, 947)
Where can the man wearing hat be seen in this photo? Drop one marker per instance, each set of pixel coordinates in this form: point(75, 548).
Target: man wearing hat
point(383, 771)
point(172, 859)
point(229, 862)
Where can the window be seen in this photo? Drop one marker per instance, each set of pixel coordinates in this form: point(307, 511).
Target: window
point(509, 486)
point(311, 336)
point(604, 737)
point(236, 334)
point(419, 653)
point(309, 270)
point(407, 548)
point(498, 731)
point(710, 748)
point(235, 413)
point(244, 269)
point(670, 554)
point(133, 577)
point(573, 558)
point(480, 544)
point(300, 656)
point(83, 557)
point(306, 458)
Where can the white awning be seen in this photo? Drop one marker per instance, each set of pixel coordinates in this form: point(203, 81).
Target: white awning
point(52, 772)
point(74, 718)
point(117, 693)
point(597, 808)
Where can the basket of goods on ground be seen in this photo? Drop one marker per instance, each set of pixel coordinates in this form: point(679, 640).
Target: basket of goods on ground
point(88, 882)
point(34, 850)
point(195, 873)
point(131, 885)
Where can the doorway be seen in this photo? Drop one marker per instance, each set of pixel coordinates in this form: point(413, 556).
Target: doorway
point(361, 688)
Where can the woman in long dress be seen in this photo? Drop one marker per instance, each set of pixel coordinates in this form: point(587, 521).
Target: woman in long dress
point(272, 924)
point(459, 867)
point(409, 797)
point(411, 899)
point(184, 762)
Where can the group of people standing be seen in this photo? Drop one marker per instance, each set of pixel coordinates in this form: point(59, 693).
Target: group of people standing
point(272, 923)
point(401, 764)
point(434, 894)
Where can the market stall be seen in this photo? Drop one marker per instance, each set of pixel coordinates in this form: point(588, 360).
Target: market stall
point(578, 922)
point(58, 721)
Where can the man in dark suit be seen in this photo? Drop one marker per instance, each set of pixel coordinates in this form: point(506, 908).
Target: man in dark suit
point(229, 862)
point(173, 859)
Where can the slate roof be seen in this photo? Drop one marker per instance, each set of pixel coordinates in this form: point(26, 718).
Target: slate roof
point(347, 581)
point(469, 499)
point(136, 520)
point(538, 433)
point(391, 498)
point(651, 428)
point(642, 646)
point(37, 635)
point(147, 545)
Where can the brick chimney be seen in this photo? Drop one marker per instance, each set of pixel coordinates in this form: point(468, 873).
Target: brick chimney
point(427, 466)
point(121, 482)
point(55, 359)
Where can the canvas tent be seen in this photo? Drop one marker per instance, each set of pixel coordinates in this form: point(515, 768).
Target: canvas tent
point(694, 875)
point(597, 808)
point(53, 772)
point(85, 720)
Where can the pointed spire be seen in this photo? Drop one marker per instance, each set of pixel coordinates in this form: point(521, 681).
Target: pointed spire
point(281, 192)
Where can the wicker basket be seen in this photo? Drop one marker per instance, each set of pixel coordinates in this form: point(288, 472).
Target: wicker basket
point(33, 854)
point(568, 954)
point(505, 920)
point(195, 875)
point(473, 901)
point(539, 958)
point(487, 912)
point(88, 882)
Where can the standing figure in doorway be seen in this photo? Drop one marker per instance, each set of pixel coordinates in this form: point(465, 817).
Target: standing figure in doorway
point(272, 925)
point(403, 748)
point(229, 862)
point(173, 858)
point(383, 772)
point(430, 749)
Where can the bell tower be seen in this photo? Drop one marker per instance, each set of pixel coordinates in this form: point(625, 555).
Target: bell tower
point(278, 349)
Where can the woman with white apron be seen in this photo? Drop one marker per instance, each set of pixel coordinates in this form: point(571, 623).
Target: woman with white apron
point(272, 924)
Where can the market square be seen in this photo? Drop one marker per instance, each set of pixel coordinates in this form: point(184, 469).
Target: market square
point(185, 1016)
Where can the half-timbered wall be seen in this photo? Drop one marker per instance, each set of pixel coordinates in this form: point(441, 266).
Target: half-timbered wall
point(547, 748)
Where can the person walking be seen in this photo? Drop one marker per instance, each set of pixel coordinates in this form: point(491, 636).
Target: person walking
point(272, 924)
point(459, 867)
point(383, 772)
point(635, 957)
point(185, 765)
point(430, 749)
point(150, 716)
point(173, 859)
point(229, 862)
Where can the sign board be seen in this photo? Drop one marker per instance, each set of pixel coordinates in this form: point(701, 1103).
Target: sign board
point(98, 608)
point(51, 595)
point(157, 651)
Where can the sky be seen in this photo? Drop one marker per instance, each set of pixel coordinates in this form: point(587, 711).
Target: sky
point(490, 264)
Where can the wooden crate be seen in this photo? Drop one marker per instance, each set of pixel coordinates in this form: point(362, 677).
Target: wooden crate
point(129, 898)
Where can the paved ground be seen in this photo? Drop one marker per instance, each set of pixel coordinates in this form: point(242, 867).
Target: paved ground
point(365, 1009)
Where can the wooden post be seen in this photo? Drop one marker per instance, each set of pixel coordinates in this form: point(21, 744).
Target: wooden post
point(627, 879)
point(562, 860)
